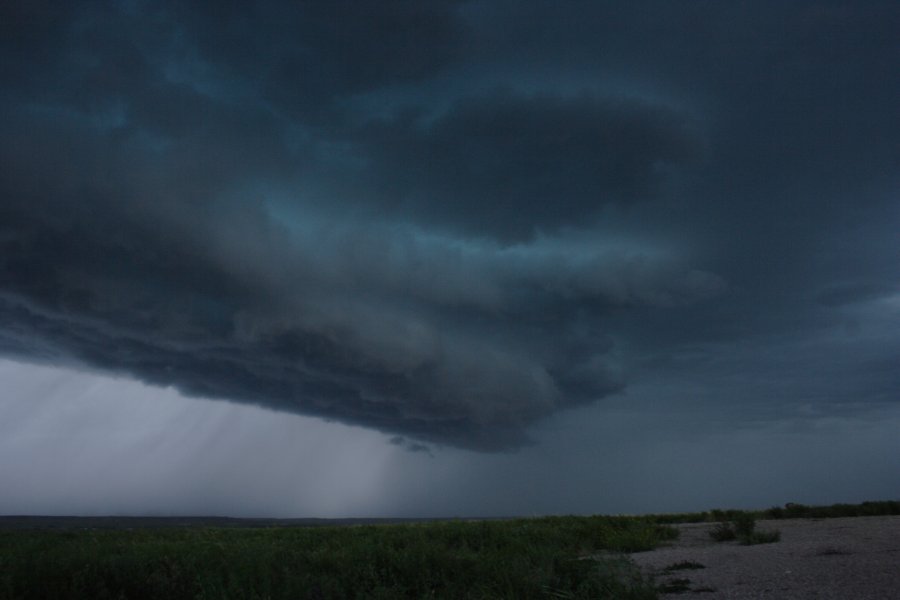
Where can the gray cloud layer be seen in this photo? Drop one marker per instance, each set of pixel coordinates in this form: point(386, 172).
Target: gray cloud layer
point(506, 164)
point(442, 220)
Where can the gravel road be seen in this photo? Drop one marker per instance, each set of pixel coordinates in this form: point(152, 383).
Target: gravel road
point(856, 558)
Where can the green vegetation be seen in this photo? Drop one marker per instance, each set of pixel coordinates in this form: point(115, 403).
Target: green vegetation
point(684, 565)
point(679, 585)
point(723, 532)
point(742, 527)
point(741, 524)
point(555, 557)
point(866, 509)
point(762, 537)
point(789, 511)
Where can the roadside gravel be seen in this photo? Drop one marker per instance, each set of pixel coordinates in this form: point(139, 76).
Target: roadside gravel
point(854, 558)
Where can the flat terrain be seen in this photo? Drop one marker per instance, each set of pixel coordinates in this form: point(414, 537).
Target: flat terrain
point(18, 522)
point(843, 558)
point(192, 558)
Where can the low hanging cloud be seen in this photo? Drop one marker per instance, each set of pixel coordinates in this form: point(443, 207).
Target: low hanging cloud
point(440, 339)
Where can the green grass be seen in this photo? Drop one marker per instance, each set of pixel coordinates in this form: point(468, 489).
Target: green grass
point(761, 537)
point(789, 511)
point(555, 557)
point(865, 509)
point(723, 532)
point(742, 527)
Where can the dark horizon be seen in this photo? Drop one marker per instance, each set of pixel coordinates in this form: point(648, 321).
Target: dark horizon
point(787, 510)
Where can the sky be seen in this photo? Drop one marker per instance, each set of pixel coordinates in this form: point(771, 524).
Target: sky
point(475, 258)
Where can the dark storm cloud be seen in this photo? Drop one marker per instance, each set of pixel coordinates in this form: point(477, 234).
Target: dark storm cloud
point(370, 325)
point(303, 56)
point(440, 220)
point(507, 164)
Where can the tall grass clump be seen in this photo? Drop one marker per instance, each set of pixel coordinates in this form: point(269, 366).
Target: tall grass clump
point(564, 557)
point(742, 527)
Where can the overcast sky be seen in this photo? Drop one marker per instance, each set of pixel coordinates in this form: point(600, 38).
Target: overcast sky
point(448, 258)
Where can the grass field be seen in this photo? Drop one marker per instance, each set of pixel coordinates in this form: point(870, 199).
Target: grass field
point(552, 557)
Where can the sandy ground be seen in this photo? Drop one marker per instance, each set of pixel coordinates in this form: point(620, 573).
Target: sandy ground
point(855, 558)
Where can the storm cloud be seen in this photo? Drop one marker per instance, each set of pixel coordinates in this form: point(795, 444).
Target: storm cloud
point(170, 228)
point(446, 221)
point(506, 165)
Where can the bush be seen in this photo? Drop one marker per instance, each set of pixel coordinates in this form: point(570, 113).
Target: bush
point(722, 532)
point(742, 527)
point(762, 537)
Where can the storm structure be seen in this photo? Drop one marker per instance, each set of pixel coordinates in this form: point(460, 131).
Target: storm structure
point(454, 223)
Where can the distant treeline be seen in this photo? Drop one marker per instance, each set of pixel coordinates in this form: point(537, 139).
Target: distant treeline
point(790, 510)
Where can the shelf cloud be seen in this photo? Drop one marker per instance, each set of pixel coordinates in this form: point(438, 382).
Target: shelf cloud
point(429, 219)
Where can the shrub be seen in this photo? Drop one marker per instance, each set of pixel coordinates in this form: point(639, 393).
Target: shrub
point(742, 527)
point(762, 537)
point(722, 532)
